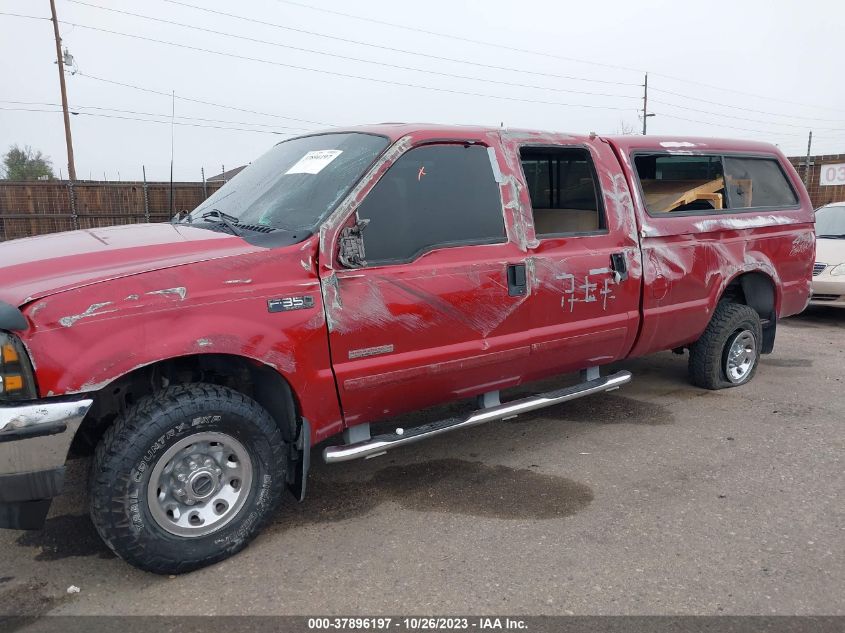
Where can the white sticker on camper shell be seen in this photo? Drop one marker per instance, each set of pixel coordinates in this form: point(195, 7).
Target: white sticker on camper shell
point(314, 162)
point(677, 144)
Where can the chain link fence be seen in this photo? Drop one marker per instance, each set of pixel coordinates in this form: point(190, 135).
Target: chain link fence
point(36, 208)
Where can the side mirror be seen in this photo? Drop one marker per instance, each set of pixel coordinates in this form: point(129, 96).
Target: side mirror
point(351, 252)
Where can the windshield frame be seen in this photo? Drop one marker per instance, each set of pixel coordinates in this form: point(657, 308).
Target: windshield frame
point(303, 232)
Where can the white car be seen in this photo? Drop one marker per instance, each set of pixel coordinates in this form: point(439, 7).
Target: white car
point(829, 270)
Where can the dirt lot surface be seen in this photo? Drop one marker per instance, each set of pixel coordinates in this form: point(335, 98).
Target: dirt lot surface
point(657, 498)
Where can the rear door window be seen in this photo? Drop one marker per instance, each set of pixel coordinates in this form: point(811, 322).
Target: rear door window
point(564, 193)
point(710, 184)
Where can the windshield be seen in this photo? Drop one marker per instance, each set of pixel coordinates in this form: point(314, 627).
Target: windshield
point(830, 221)
point(297, 183)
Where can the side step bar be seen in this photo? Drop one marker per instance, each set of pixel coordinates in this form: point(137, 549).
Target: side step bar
point(382, 443)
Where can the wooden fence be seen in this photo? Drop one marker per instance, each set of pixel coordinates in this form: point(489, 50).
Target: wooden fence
point(35, 208)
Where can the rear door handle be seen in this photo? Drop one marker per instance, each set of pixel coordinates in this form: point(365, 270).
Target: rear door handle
point(516, 280)
point(619, 266)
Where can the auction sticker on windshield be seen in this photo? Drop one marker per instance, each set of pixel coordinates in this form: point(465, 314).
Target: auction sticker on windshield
point(314, 162)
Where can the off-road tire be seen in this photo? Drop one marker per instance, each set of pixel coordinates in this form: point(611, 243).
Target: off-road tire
point(708, 354)
point(125, 458)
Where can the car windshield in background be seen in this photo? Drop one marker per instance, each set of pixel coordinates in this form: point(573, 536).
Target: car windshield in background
point(296, 184)
point(830, 222)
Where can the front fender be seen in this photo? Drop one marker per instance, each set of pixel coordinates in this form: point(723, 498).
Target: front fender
point(82, 340)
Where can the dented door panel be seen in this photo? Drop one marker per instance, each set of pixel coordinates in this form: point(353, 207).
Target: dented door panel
point(583, 313)
point(443, 326)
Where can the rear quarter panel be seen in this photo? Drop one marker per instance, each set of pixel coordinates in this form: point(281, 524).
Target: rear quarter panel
point(689, 260)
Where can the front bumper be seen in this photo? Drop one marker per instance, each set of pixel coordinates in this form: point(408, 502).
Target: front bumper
point(828, 291)
point(34, 442)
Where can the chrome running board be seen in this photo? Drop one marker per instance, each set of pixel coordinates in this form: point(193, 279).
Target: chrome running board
point(382, 443)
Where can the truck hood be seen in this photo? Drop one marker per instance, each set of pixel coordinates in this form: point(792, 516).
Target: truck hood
point(36, 267)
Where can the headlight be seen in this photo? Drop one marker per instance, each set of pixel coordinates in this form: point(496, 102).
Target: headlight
point(16, 379)
point(838, 270)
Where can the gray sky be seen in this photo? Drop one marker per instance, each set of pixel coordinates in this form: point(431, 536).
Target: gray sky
point(771, 69)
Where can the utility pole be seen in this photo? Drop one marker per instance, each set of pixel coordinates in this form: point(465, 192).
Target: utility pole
point(172, 119)
point(71, 167)
point(807, 161)
point(645, 105)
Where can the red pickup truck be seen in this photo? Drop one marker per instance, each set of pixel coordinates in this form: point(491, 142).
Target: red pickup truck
point(352, 275)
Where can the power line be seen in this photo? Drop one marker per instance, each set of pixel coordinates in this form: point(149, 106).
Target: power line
point(266, 23)
point(200, 101)
point(732, 127)
point(733, 107)
point(189, 118)
point(511, 48)
point(256, 40)
point(129, 118)
point(20, 15)
point(499, 45)
point(745, 94)
point(211, 51)
point(339, 74)
point(392, 49)
point(740, 118)
point(463, 39)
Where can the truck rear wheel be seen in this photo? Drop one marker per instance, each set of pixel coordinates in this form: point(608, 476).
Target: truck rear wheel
point(186, 478)
point(728, 352)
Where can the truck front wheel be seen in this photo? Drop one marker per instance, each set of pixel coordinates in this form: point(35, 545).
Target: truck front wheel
point(728, 352)
point(186, 478)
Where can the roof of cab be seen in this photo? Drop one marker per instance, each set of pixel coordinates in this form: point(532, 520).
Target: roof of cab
point(626, 143)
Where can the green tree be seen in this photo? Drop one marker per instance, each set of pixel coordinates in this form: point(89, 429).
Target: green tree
point(26, 164)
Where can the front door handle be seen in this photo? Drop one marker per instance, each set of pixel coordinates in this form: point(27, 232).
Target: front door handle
point(619, 266)
point(517, 284)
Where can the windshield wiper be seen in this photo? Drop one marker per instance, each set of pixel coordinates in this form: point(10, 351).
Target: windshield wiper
point(224, 219)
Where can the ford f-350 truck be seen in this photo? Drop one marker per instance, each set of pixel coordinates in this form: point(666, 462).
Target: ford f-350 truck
point(349, 276)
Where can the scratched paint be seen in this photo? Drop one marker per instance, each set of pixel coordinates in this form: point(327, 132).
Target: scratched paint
point(284, 361)
point(370, 310)
point(332, 301)
point(621, 204)
point(36, 308)
point(741, 223)
point(802, 243)
point(94, 308)
point(519, 221)
point(180, 292)
point(594, 287)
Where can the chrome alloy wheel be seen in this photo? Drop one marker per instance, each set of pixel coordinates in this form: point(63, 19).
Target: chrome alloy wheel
point(741, 356)
point(199, 484)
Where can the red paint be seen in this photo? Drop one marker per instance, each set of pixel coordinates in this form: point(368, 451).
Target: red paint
point(106, 301)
